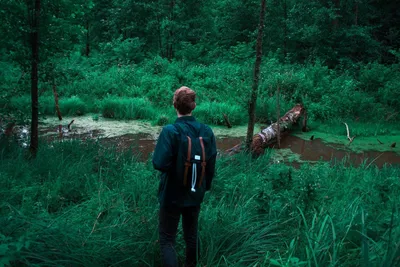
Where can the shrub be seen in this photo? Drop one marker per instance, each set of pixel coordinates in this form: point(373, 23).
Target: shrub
point(213, 113)
point(73, 106)
point(127, 108)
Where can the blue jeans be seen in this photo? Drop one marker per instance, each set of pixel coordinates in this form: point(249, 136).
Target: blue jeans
point(169, 218)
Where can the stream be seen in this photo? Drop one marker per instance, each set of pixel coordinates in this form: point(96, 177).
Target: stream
point(141, 138)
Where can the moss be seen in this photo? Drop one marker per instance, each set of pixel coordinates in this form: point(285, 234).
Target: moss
point(359, 144)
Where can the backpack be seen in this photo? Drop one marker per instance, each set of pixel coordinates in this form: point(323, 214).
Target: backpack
point(193, 153)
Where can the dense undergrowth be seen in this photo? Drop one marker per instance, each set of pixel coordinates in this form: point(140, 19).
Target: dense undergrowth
point(81, 204)
point(367, 92)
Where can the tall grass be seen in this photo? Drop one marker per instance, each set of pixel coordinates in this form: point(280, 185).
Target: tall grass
point(127, 108)
point(83, 204)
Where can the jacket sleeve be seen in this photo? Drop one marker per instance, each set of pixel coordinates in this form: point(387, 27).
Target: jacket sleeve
point(164, 150)
point(211, 163)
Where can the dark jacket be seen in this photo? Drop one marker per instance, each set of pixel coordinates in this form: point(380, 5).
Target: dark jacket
point(170, 193)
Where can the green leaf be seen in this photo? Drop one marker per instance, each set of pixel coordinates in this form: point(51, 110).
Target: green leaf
point(274, 262)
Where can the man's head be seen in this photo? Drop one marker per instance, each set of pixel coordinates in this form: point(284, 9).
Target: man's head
point(184, 101)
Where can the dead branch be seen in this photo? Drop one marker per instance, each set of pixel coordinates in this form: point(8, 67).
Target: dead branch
point(304, 128)
point(227, 121)
point(348, 134)
point(69, 125)
point(56, 101)
point(379, 141)
point(392, 115)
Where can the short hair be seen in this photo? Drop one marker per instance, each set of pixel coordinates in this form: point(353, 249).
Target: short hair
point(184, 100)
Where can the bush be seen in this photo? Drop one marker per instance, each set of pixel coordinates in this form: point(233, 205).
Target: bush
point(73, 106)
point(127, 108)
point(213, 113)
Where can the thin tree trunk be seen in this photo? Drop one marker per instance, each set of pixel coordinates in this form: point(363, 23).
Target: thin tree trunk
point(356, 11)
point(34, 79)
point(87, 38)
point(170, 49)
point(160, 47)
point(253, 98)
point(277, 118)
point(57, 108)
point(335, 22)
point(285, 29)
point(56, 101)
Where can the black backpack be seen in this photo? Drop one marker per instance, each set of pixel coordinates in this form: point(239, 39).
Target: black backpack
point(193, 153)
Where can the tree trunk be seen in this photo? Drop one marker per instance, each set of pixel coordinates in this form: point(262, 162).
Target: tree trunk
point(285, 29)
point(278, 115)
point(335, 22)
point(170, 43)
point(56, 101)
point(87, 39)
point(356, 14)
point(268, 136)
point(160, 47)
point(34, 79)
point(253, 98)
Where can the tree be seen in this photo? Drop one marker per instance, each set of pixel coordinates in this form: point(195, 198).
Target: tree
point(34, 78)
point(253, 98)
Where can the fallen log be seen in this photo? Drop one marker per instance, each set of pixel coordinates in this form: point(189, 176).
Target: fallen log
point(268, 136)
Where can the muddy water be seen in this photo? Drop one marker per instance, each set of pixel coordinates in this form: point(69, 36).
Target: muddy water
point(291, 146)
point(306, 150)
point(316, 150)
point(144, 145)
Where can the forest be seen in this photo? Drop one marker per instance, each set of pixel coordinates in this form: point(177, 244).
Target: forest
point(86, 87)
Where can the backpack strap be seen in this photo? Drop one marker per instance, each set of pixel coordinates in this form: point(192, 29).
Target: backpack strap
point(189, 153)
point(203, 164)
point(187, 163)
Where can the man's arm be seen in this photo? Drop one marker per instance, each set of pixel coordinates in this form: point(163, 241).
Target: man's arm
point(163, 152)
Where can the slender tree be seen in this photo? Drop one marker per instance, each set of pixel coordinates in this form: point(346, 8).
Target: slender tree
point(256, 76)
point(278, 116)
point(285, 28)
point(34, 78)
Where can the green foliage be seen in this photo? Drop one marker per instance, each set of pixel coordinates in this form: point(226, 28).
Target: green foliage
point(162, 120)
point(73, 106)
point(127, 108)
point(222, 88)
point(123, 51)
point(213, 113)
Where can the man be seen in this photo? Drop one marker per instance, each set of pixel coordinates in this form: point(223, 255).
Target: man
point(175, 199)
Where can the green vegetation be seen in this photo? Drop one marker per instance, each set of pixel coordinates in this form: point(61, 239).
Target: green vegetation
point(81, 204)
point(134, 93)
point(115, 65)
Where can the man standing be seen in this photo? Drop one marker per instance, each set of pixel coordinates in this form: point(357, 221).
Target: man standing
point(185, 154)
